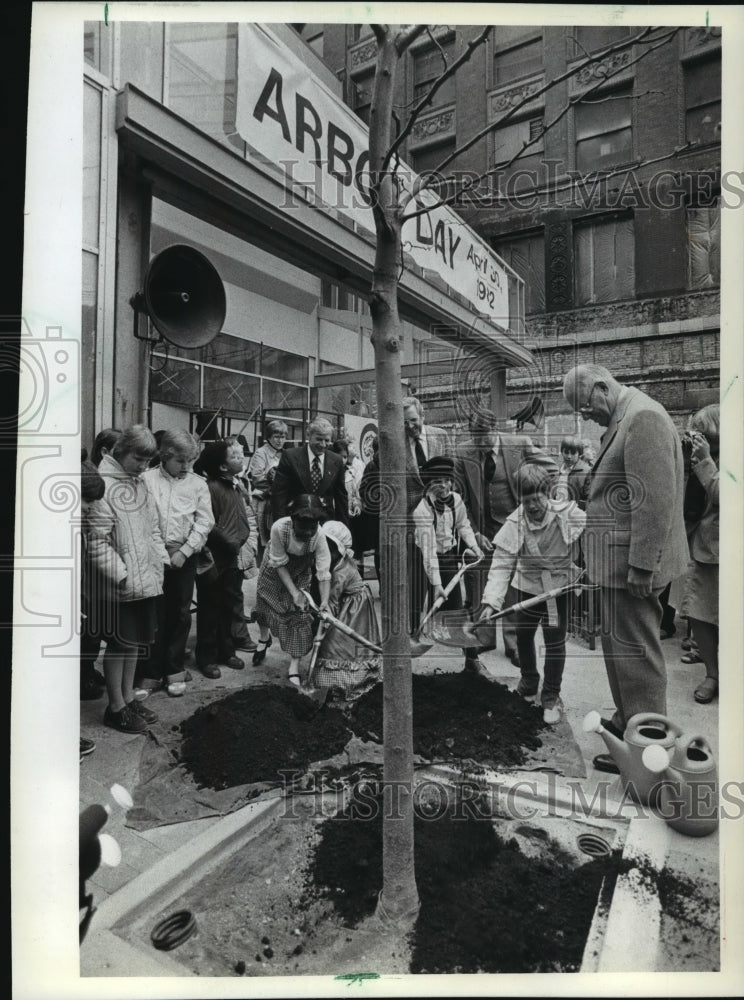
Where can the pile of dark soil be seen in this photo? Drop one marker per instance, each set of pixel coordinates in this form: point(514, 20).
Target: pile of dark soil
point(460, 716)
point(485, 906)
point(259, 734)
point(265, 733)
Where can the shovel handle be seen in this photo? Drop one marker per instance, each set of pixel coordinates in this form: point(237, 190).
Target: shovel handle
point(538, 599)
point(447, 591)
point(329, 619)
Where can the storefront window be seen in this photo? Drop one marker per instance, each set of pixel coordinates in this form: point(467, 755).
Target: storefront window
point(232, 352)
point(283, 365)
point(173, 381)
point(280, 396)
point(230, 390)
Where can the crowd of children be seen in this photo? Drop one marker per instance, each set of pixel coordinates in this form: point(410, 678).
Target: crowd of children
point(167, 522)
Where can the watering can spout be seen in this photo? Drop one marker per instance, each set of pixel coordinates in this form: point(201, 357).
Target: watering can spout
point(619, 750)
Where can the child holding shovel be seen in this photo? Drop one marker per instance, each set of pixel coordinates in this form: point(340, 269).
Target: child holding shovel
point(538, 544)
point(442, 529)
point(295, 546)
point(344, 665)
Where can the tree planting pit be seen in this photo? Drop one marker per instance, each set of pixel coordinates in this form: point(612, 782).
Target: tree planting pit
point(498, 895)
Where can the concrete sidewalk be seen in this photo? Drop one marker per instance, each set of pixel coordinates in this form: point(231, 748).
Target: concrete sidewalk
point(116, 757)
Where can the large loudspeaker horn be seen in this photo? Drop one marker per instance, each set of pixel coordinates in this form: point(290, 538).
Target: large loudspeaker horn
point(183, 296)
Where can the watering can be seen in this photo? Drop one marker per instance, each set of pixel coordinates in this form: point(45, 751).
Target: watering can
point(688, 784)
point(643, 730)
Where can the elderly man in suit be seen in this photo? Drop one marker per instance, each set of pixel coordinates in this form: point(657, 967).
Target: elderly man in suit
point(487, 478)
point(635, 541)
point(312, 468)
point(423, 442)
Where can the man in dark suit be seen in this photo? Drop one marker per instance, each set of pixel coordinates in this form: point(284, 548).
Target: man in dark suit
point(486, 476)
point(312, 468)
point(635, 540)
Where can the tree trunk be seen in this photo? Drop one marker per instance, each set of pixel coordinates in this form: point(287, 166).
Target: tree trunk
point(399, 898)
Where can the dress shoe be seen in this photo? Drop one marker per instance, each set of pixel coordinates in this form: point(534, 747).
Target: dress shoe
point(260, 655)
point(706, 691)
point(606, 762)
point(235, 663)
point(247, 645)
point(211, 670)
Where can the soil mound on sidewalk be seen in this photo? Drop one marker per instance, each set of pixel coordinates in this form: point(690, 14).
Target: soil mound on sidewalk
point(259, 734)
point(460, 716)
point(265, 733)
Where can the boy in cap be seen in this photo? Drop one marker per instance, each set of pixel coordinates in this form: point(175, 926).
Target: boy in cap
point(443, 533)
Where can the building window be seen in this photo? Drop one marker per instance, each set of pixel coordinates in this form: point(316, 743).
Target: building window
point(334, 296)
point(590, 39)
point(604, 261)
point(428, 66)
point(202, 71)
point(96, 46)
point(526, 256)
point(362, 95)
point(428, 159)
point(313, 35)
point(604, 130)
point(703, 248)
point(510, 140)
point(518, 61)
point(703, 101)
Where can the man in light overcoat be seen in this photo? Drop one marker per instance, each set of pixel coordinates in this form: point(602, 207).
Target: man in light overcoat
point(635, 541)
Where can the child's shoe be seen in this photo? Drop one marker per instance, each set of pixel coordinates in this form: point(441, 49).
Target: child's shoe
point(124, 720)
point(552, 712)
point(139, 710)
point(529, 694)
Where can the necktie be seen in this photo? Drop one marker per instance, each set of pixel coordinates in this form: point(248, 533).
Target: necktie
point(489, 468)
point(315, 474)
point(419, 450)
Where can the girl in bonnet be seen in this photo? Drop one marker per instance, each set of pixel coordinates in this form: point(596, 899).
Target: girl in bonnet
point(345, 666)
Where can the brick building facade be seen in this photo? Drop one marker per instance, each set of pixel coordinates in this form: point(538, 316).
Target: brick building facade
point(611, 213)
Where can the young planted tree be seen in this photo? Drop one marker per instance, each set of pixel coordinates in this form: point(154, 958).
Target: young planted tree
point(395, 200)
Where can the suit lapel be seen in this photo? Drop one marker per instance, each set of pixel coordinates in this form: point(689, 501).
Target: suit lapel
point(613, 425)
point(303, 469)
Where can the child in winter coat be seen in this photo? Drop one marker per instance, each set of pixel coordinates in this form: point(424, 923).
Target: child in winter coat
point(538, 544)
point(125, 520)
point(185, 519)
point(219, 590)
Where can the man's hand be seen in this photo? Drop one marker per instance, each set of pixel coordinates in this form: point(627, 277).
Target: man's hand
point(177, 559)
point(439, 592)
point(484, 542)
point(639, 581)
point(486, 610)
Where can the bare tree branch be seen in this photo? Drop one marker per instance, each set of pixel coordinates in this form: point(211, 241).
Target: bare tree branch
point(428, 181)
point(406, 38)
point(617, 47)
point(379, 31)
point(427, 99)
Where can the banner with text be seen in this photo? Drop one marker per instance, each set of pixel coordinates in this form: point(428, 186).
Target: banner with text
point(292, 118)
